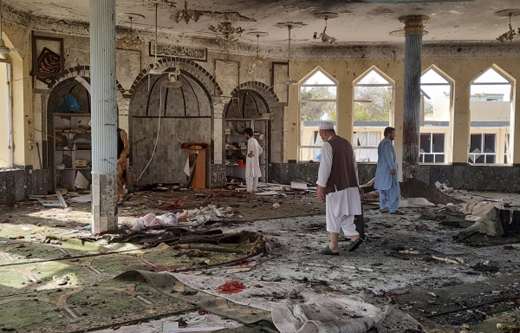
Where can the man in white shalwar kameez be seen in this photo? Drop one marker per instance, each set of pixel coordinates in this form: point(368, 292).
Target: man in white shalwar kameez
point(254, 151)
point(338, 187)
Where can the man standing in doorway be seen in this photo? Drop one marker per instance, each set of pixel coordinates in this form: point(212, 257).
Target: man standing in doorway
point(123, 175)
point(254, 151)
point(387, 181)
point(338, 187)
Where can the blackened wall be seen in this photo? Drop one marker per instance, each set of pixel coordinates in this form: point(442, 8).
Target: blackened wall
point(474, 178)
point(18, 185)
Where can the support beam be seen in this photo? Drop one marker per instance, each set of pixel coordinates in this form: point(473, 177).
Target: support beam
point(104, 114)
point(461, 121)
point(414, 30)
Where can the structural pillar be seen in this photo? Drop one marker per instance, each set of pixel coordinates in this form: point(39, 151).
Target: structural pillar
point(461, 121)
point(104, 114)
point(414, 29)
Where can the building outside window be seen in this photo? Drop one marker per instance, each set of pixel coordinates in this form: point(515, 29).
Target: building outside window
point(482, 149)
point(491, 108)
point(432, 148)
point(373, 105)
point(318, 103)
point(436, 104)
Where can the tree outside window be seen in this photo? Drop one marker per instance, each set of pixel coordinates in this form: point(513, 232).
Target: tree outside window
point(318, 102)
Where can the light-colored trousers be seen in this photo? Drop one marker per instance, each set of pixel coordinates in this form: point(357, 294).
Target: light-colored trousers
point(252, 183)
point(336, 224)
point(389, 199)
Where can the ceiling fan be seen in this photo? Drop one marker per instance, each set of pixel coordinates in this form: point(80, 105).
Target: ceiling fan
point(290, 25)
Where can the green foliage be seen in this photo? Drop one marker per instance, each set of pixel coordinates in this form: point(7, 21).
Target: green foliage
point(317, 110)
point(379, 107)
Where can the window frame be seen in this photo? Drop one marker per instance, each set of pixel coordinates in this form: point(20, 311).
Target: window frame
point(435, 154)
point(301, 126)
point(483, 153)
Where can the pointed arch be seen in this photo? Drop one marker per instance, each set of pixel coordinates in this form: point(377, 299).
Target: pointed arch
point(319, 70)
point(378, 71)
point(495, 68)
point(492, 112)
point(439, 71)
point(436, 133)
point(318, 102)
point(373, 108)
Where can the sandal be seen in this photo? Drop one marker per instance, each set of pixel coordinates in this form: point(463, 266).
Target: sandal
point(328, 252)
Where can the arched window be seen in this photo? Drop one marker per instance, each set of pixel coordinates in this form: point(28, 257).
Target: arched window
point(491, 108)
point(373, 108)
point(436, 106)
point(318, 102)
point(6, 119)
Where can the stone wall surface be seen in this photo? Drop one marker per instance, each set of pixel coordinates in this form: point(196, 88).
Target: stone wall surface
point(473, 178)
point(18, 185)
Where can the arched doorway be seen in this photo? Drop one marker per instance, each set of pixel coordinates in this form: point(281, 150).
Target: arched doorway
point(253, 104)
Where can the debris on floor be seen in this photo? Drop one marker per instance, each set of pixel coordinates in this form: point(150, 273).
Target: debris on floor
point(225, 258)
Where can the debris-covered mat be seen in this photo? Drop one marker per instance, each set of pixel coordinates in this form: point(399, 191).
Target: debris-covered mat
point(67, 282)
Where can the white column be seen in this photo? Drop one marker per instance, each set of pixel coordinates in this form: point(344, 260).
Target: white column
point(104, 114)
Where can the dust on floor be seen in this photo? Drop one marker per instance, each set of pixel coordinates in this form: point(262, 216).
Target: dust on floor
point(476, 286)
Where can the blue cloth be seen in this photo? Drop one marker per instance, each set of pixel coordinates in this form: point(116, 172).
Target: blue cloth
point(386, 183)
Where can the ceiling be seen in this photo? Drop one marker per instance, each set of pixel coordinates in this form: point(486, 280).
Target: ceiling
point(360, 21)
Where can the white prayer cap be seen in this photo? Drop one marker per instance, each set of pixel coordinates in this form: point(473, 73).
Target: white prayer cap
point(326, 125)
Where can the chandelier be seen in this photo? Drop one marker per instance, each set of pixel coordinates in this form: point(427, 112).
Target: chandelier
point(164, 4)
point(186, 14)
point(258, 59)
point(512, 33)
point(323, 36)
point(227, 34)
point(130, 39)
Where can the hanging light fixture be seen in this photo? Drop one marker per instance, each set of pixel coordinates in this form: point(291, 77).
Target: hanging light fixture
point(186, 14)
point(3, 49)
point(173, 79)
point(290, 25)
point(131, 39)
point(511, 33)
point(323, 36)
point(156, 67)
point(258, 59)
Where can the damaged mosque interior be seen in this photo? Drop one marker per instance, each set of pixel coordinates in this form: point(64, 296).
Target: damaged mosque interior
point(251, 166)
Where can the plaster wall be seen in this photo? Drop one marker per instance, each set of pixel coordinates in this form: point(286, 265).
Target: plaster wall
point(460, 64)
point(462, 70)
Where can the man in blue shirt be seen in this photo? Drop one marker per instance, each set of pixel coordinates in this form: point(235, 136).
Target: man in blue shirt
point(387, 181)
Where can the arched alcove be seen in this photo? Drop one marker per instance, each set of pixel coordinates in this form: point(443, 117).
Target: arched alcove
point(246, 104)
point(173, 115)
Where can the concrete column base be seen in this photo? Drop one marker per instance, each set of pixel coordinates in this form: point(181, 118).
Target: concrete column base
point(104, 202)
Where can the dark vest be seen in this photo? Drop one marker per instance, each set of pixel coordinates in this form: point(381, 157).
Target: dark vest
point(120, 143)
point(342, 174)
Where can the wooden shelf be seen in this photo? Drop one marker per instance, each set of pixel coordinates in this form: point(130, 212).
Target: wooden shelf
point(71, 150)
point(74, 168)
point(68, 115)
